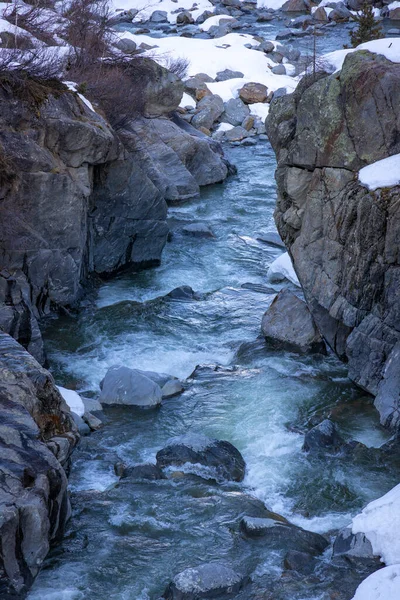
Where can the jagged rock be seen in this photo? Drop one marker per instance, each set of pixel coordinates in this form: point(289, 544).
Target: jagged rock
point(207, 111)
point(321, 14)
point(288, 324)
point(235, 111)
point(227, 74)
point(323, 437)
point(129, 387)
point(198, 230)
point(219, 455)
point(36, 433)
point(210, 580)
point(352, 545)
point(387, 400)
point(284, 534)
point(251, 93)
point(342, 237)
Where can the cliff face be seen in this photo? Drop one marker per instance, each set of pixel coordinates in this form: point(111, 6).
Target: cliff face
point(37, 436)
point(344, 240)
point(76, 199)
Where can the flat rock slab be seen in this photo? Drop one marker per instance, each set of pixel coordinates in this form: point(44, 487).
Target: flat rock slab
point(211, 580)
point(284, 534)
point(219, 455)
point(288, 324)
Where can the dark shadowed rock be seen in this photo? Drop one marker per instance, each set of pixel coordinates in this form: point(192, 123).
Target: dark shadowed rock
point(143, 471)
point(272, 238)
point(283, 534)
point(129, 387)
point(324, 437)
point(211, 580)
point(352, 545)
point(288, 324)
point(387, 400)
point(220, 455)
point(183, 292)
point(227, 74)
point(184, 18)
point(198, 230)
point(302, 562)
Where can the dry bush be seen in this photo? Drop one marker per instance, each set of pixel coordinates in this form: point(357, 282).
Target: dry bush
point(38, 20)
point(7, 168)
point(178, 66)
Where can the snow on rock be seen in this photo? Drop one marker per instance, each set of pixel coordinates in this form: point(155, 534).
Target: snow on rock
point(187, 101)
point(281, 269)
point(393, 5)
point(383, 173)
point(225, 127)
point(212, 21)
point(274, 4)
point(214, 55)
point(147, 8)
point(388, 47)
point(380, 523)
point(73, 400)
point(381, 585)
point(259, 109)
point(71, 85)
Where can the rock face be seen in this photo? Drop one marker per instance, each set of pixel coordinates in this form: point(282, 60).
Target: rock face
point(220, 455)
point(344, 239)
point(37, 436)
point(288, 324)
point(76, 198)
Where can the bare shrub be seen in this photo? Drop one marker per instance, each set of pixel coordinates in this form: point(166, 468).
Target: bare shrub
point(7, 168)
point(178, 66)
point(38, 20)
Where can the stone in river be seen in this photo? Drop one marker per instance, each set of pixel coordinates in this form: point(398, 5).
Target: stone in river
point(193, 448)
point(198, 230)
point(210, 580)
point(129, 387)
point(325, 437)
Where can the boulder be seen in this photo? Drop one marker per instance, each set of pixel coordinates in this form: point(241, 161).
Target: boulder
point(324, 437)
point(183, 292)
point(198, 230)
point(340, 13)
point(235, 111)
point(210, 580)
point(159, 16)
point(295, 6)
point(227, 74)
point(184, 18)
point(236, 134)
point(172, 388)
point(266, 47)
point(248, 123)
point(394, 14)
point(279, 70)
point(163, 90)
point(129, 387)
point(283, 534)
point(221, 456)
point(126, 45)
point(288, 324)
point(321, 14)
point(302, 562)
point(252, 93)
point(142, 471)
point(352, 545)
point(208, 110)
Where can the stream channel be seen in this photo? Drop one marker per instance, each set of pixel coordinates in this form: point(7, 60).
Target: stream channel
point(127, 539)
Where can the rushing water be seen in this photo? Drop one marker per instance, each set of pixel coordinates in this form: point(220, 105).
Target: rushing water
point(127, 539)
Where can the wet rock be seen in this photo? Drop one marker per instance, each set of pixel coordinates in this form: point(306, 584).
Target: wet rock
point(220, 455)
point(302, 562)
point(227, 74)
point(210, 580)
point(82, 427)
point(252, 93)
point(323, 437)
point(142, 471)
point(91, 405)
point(172, 388)
point(184, 292)
point(288, 324)
point(208, 110)
point(352, 545)
point(93, 422)
point(284, 534)
point(198, 230)
point(235, 111)
point(272, 238)
point(129, 387)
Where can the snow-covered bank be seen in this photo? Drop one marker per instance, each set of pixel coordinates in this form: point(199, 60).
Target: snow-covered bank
point(383, 173)
point(388, 47)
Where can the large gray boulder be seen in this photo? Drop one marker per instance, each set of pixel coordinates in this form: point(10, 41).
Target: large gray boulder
point(342, 237)
point(235, 111)
point(208, 110)
point(210, 580)
point(288, 324)
point(221, 456)
point(352, 545)
point(37, 436)
point(129, 387)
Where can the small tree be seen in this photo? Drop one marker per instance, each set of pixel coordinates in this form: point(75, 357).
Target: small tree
point(368, 27)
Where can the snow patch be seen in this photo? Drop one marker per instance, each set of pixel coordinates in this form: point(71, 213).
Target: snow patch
point(382, 173)
point(381, 585)
point(73, 400)
point(71, 85)
point(380, 522)
point(282, 268)
point(187, 100)
point(388, 47)
point(212, 21)
point(260, 110)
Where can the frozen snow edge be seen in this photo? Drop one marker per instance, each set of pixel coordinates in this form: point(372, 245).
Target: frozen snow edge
point(382, 173)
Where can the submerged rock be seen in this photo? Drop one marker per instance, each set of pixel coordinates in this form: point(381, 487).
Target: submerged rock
point(142, 471)
point(284, 534)
point(172, 388)
point(211, 580)
point(198, 230)
point(221, 456)
point(129, 387)
point(324, 437)
point(288, 324)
